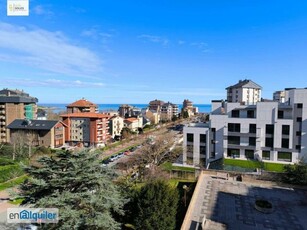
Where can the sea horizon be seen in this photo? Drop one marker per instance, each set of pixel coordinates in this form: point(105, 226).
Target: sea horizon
point(60, 107)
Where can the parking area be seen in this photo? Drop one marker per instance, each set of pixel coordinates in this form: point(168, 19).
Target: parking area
point(230, 204)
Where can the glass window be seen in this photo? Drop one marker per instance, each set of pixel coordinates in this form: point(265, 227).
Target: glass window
point(266, 155)
point(269, 129)
point(299, 119)
point(269, 142)
point(284, 156)
point(234, 127)
point(252, 141)
point(235, 113)
point(190, 137)
point(280, 114)
point(233, 140)
point(233, 153)
point(299, 105)
point(252, 128)
point(249, 154)
point(202, 138)
point(285, 129)
point(285, 143)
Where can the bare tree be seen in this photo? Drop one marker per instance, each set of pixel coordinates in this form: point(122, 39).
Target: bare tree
point(18, 140)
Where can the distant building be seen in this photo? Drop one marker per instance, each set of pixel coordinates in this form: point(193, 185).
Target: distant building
point(116, 124)
point(41, 114)
point(15, 104)
point(125, 110)
point(152, 115)
point(245, 92)
point(133, 123)
point(187, 105)
point(47, 133)
point(82, 106)
point(88, 129)
point(168, 111)
point(156, 105)
point(279, 96)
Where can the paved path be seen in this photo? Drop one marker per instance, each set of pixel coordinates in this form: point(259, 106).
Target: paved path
point(231, 204)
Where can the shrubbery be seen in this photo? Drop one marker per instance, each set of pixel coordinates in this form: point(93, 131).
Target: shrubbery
point(9, 172)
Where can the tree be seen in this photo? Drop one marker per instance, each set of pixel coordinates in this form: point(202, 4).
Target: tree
point(126, 133)
point(296, 174)
point(156, 206)
point(18, 141)
point(75, 183)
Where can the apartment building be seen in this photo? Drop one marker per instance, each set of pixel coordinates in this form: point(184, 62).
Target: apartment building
point(133, 123)
point(168, 111)
point(15, 104)
point(187, 105)
point(268, 130)
point(87, 129)
point(116, 124)
point(82, 106)
point(245, 91)
point(49, 133)
point(156, 105)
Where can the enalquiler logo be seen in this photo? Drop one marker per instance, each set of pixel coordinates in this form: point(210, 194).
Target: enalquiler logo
point(32, 215)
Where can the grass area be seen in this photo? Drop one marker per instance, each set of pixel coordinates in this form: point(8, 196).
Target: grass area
point(168, 167)
point(17, 201)
point(13, 182)
point(273, 167)
point(174, 182)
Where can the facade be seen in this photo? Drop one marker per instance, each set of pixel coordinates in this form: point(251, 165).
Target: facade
point(279, 96)
point(116, 124)
point(153, 116)
point(245, 92)
point(168, 111)
point(47, 133)
point(125, 110)
point(87, 129)
point(133, 123)
point(82, 106)
point(156, 105)
point(187, 105)
point(268, 131)
point(15, 104)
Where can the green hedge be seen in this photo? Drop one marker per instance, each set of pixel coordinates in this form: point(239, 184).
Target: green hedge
point(5, 161)
point(9, 172)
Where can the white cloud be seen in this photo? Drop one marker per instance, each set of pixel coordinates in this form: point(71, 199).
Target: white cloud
point(50, 83)
point(42, 49)
point(154, 39)
point(42, 10)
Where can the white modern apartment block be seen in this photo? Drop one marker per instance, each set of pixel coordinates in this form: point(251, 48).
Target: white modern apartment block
point(267, 131)
point(245, 91)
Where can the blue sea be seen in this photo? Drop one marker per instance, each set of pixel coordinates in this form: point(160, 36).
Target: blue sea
point(202, 108)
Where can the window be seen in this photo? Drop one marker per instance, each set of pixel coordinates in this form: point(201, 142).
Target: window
point(190, 137)
point(298, 147)
point(299, 105)
point(266, 155)
point(269, 142)
point(235, 113)
point(234, 127)
point(285, 143)
point(202, 138)
point(212, 155)
point(284, 156)
point(252, 128)
point(298, 133)
point(252, 141)
point(269, 129)
point(233, 153)
point(249, 154)
point(280, 114)
point(233, 140)
point(202, 150)
point(250, 113)
point(299, 119)
point(285, 129)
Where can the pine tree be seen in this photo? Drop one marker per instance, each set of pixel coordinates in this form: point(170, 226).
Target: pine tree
point(75, 183)
point(156, 206)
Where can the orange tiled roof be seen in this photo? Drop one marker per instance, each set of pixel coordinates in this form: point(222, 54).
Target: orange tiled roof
point(82, 103)
point(131, 119)
point(86, 115)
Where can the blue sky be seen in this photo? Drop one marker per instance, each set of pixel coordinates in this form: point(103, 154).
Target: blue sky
point(135, 51)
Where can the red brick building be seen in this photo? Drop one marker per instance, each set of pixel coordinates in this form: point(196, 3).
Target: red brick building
point(82, 106)
point(87, 128)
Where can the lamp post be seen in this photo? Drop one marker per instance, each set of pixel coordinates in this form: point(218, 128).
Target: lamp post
point(185, 188)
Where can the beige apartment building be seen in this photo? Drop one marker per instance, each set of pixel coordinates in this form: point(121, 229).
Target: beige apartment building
point(116, 124)
point(15, 104)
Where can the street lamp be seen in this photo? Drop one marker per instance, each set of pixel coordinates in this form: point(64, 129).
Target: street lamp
point(185, 188)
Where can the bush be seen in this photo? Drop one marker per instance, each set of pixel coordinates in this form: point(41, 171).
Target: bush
point(9, 172)
point(43, 150)
point(296, 174)
point(5, 161)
